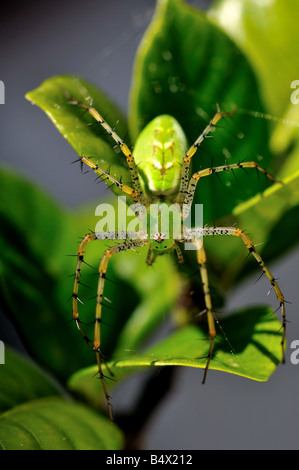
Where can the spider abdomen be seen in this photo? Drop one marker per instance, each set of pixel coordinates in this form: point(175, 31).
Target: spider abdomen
point(158, 153)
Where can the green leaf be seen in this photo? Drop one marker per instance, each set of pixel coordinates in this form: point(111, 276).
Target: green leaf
point(268, 34)
point(22, 381)
point(159, 290)
point(55, 424)
point(185, 65)
point(247, 345)
point(76, 125)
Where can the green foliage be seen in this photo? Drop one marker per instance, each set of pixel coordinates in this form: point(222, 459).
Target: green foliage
point(36, 416)
point(268, 34)
point(183, 75)
point(23, 382)
point(55, 424)
point(253, 351)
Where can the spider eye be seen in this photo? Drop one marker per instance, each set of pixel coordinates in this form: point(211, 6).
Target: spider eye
point(159, 237)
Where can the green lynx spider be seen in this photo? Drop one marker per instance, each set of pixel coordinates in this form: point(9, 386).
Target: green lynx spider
point(159, 171)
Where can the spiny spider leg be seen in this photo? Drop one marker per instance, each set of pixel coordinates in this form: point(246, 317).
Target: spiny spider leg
point(123, 187)
point(209, 171)
point(121, 143)
point(95, 344)
point(237, 232)
point(202, 260)
point(178, 253)
point(81, 251)
point(187, 159)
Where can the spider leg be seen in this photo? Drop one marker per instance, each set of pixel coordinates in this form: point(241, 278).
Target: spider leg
point(95, 344)
point(237, 232)
point(179, 253)
point(101, 173)
point(187, 158)
point(189, 195)
point(120, 142)
point(150, 256)
point(81, 252)
point(75, 310)
point(202, 260)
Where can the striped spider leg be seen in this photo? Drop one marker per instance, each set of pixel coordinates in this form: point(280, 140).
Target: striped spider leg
point(202, 260)
point(195, 235)
point(192, 150)
point(138, 194)
point(96, 342)
point(189, 194)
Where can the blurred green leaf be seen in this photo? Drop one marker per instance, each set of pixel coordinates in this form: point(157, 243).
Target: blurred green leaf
point(285, 141)
point(268, 34)
point(285, 133)
point(56, 424)
point(248, 345)
point(22, 381)
point(76, 125)
point(184, 66)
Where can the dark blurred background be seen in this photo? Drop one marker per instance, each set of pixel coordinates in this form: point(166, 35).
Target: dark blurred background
point(98, 40)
